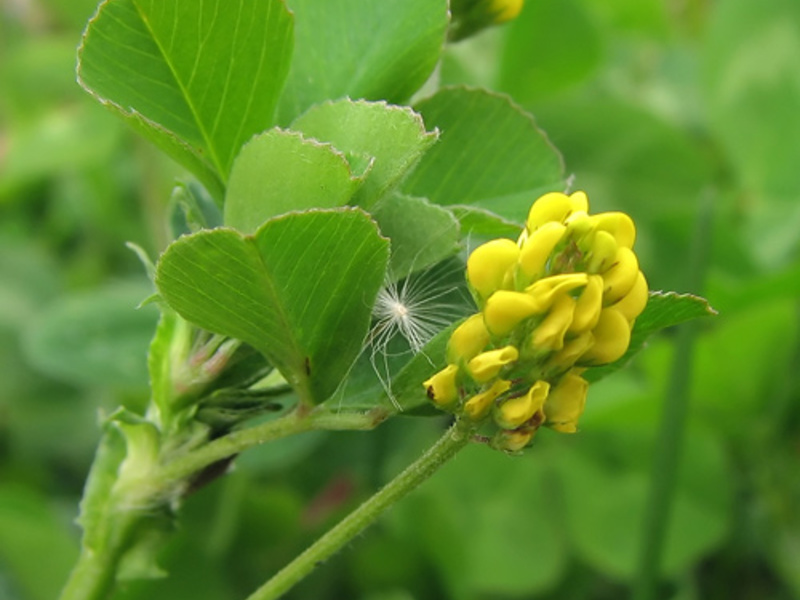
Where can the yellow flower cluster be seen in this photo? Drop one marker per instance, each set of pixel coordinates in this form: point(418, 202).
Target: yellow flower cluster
point(561, 298)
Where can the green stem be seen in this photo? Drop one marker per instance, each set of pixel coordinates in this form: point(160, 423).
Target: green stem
point(94, 574)
point(668, 447)
point(238, 441)
point(443, 450)
point(92, 577)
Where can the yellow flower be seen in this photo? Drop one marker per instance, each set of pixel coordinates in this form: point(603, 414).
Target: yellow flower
point(619, 225)
point(488, 264)
point(573, 349)
point(565, 403)
point(611, 338)
point(517, 411)
point(537, 247)
point(487, 365)
point(619, 279)
point(478, 406)
point(442, 388)
point(588, 306)
point(602, 252)
point(555, 206)
point(632, 304)
point(468, 339)
point(549, 334)
point(505, 310)
point(547, 289)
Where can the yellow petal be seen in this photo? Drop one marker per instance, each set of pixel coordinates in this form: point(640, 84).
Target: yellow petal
point(547, 289)
point(579, 225)
point(537, 247)
point(619, 225)
point(579, 201)
point(554, 206)
point(611, 338)
point(504, 310)
point(549, 334)
point(587, 309)
point(573, 349)
point(441, 387)
point(478, 406)
point(602, 252)
point(619, 279)
point(565, 403)
point(633, 303)
point(468, 339)
point(487, 365)
point(488, 264)
point(518, 411)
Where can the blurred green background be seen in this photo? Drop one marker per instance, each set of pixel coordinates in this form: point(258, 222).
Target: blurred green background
point(662, 108)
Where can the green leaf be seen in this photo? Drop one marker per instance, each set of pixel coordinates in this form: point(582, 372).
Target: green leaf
point(538, 60)
point(484, 223)
point(392, 137)
point(95, 338)
point(362, 49)
point(491, 154)
point(300, 290)
point(664, 309)
point(197, 79)
point(422, 233)
point(281, 171)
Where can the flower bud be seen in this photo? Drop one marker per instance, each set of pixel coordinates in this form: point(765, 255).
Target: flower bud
point(549, 334)
point(612, 334)
point(488, 264)
point(512, 441)
point(478, 406)
point(468, 339)
point(537, 247)
point(565, 403)
point(441, 387)
point(619, 279)
point(588, 306)
point(602, 252)
point(504, 310)
point(487, 365)
point(632, 304)
point(619, 225)
point(518, 411)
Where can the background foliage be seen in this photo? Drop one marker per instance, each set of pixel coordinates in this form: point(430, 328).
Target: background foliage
point(659, 109)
